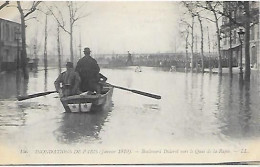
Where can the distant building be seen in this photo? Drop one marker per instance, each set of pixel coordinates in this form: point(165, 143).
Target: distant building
point(9, 41)
point(238, 15)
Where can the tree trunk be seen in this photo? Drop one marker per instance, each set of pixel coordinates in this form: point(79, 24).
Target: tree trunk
point(23, 52)
point(58, 48)
point(186, 56)
point(247, 44)
point(45, 45)
point(71, 42)
point(218, 41)
point(202, 52)
point(230, 57)
point(209, 51)
point(196, 52)
point(231, 53)
point(192, 42)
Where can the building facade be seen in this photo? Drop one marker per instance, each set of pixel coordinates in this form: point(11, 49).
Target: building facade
point(228, 29)
point(10, 45)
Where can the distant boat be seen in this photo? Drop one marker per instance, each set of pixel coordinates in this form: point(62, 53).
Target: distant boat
point(173, 68)
point(138, 69)
point(86, 102)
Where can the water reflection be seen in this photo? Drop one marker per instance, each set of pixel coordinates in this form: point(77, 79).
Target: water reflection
point(35, 74)
point(11, 116)
point(12, 84)
point(202, 93)
point(236, 114)
point(45, 80)
point(245, 113)
point(186, 90)
point(81, 127)
point(18, 85)
point(219, 93)
point(230, 99)
point(194, 107)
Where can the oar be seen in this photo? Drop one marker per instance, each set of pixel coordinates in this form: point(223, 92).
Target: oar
point(136, 91)
point(20, 98)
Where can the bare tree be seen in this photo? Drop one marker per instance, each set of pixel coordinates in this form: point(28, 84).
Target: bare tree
point(202, 43)
point(4, 4)
point(185, 33)
point(23, 16)
point(58, 47)
point(249, 18)
point(209, 51)
point(191, 6)
point(230, 40)
point(74, 16)
point(212, 7)
point(45, 43)
point(194, 12)
point(247, 39)
point(186, 48)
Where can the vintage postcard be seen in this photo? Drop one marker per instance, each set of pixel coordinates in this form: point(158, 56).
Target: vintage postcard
point(129, 82)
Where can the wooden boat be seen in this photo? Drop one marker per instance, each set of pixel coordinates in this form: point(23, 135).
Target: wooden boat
point(138, 69)
point(87, 102)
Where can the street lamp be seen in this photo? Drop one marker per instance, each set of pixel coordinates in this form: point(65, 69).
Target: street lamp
point(17, 38)
point(241, 34)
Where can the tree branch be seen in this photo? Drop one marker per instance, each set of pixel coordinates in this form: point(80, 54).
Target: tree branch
point(19, 7)
point(4, 4)
point(214, 10)
point(30, 18)
point(186, 23)
point(61, 25)
point(33, 8)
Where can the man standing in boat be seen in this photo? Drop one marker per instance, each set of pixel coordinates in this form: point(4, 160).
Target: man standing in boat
point(88, 70)
point(70, 81)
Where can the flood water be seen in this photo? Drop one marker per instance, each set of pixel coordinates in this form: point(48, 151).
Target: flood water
point(195, 108)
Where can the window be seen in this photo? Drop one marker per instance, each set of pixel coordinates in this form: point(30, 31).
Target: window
point(13, 33)
point(5, 56)
point(7, 28)
point(257, 32)
point(225, 41)
point(252, 33)
point(235, 37)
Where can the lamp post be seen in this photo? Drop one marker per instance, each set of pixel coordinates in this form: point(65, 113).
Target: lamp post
point(241, 34)
point(17, 38)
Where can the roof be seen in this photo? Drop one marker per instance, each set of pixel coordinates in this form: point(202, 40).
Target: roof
point(9, 21)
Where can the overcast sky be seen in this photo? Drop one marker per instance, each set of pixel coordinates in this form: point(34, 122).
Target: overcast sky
point(140, 27)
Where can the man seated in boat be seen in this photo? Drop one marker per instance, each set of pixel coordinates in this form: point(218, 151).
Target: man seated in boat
point(69, 80)
point(88, 70)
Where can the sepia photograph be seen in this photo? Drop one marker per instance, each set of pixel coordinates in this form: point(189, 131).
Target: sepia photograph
point(129, 82)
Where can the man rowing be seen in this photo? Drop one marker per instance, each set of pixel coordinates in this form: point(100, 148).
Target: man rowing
point(67, 83)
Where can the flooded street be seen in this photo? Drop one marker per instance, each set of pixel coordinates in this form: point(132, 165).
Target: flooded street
point(194, 109)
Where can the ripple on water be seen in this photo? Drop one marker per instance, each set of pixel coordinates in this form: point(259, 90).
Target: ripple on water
point(152, 106)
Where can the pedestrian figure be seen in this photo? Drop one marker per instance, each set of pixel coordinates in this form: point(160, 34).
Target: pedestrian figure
point(129, 59)
point(67, 84)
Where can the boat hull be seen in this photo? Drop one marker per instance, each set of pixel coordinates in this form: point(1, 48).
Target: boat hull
point(87, 102)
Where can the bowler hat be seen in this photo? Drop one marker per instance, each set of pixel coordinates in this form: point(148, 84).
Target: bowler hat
point(69, 64)
point(86, 50)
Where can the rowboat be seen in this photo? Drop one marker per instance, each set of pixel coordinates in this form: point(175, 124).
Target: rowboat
point(87, 102)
